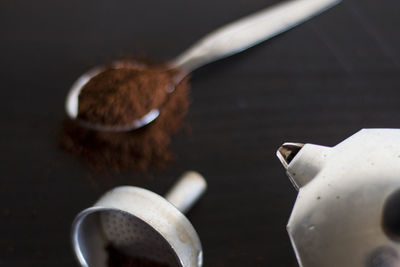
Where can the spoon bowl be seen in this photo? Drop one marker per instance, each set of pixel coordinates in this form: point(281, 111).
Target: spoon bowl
point(72, 106)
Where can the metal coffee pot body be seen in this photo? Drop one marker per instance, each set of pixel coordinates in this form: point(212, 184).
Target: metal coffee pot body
point(347, 212)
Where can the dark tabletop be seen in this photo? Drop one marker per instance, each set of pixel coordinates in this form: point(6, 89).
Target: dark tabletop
point(318, 83)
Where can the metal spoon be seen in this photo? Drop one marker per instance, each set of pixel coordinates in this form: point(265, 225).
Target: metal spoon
point(225, 41)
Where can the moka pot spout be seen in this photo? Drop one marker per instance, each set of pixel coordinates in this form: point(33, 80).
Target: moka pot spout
point(302, 161)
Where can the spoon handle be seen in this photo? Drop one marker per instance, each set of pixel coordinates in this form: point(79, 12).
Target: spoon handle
point(249, 31)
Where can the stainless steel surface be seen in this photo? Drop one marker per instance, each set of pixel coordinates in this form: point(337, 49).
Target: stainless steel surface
point(228, 40)
point(347, 210)
point(141, 223)
point(185, 192)
point(249, 31)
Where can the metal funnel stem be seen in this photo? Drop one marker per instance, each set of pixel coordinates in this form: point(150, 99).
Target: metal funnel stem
point(187, 190)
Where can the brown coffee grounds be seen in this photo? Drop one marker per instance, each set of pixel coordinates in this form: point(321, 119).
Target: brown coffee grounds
point(121, 94)
point(118, 259)
point(137, 149)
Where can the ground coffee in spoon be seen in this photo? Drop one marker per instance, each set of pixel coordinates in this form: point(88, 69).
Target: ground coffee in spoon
point(122, 88)
point(123, 93)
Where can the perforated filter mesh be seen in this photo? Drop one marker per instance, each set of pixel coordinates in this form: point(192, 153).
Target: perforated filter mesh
point(136, 238)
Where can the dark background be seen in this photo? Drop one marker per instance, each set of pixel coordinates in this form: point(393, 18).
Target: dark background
point(319, 83)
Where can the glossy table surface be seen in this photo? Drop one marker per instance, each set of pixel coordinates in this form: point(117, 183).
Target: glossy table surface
point(318, 83)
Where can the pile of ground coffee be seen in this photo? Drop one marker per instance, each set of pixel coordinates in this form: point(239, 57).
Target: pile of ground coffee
point(137, 149)
point(118, 259)
point(121, 94)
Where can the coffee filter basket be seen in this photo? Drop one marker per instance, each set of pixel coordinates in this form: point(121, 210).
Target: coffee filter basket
point(141, 224)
